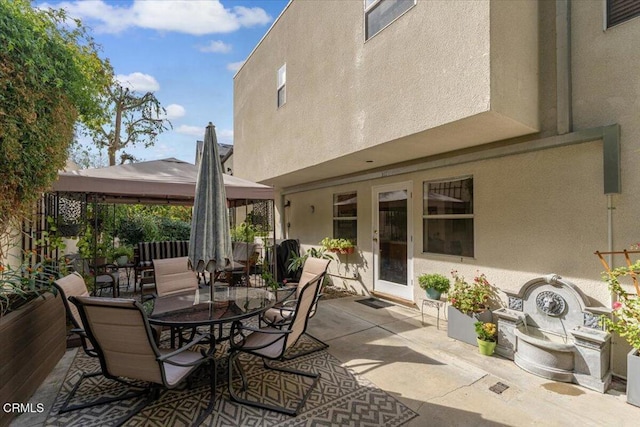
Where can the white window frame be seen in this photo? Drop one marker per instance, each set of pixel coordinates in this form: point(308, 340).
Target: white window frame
point(427, 216)
point(281, 85)
point(370, 5)
point(344, 218)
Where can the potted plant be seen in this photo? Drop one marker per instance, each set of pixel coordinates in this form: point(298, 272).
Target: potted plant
point(434, 285)
point(468, 303)
point(244, 232)
point(486, 337)
point(625, 321)
point(341, 246)
point(297, 262)
point(121, 255)
point(90, 250)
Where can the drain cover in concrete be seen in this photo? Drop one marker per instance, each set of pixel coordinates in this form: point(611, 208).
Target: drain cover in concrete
point(498, 388)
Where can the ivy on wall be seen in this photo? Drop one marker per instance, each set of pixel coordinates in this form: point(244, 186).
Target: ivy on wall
point(51, 77)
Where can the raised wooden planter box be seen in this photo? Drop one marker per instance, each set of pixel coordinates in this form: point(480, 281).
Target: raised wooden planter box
point(33, 339)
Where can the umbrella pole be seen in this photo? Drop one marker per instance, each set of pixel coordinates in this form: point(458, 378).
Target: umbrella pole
point(273, 248)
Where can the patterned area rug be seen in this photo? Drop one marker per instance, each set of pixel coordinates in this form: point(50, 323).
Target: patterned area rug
point(340, 398)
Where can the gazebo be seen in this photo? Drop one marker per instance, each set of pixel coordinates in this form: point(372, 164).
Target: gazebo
point(159, 182)
point(166, 181)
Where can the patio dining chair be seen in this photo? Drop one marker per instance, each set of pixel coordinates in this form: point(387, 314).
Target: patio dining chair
point(102, 273)
point(172, 276)
point(271, 343)
point(74, 285)
point(245, 255)
point(281, 314)
point(124, 343)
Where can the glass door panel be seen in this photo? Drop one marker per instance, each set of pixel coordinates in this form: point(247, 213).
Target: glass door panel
point(392, 241)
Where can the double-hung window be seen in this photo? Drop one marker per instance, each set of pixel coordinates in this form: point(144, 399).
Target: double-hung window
point(447, 217)
point(380, 13)
point(345, 216)
point(282, 88)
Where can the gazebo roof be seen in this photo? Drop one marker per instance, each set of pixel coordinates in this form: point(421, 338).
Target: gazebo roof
point(158, 182)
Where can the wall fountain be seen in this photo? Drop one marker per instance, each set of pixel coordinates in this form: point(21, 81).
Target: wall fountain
point(551, 330)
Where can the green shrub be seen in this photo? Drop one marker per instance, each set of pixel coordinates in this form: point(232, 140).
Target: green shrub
point(434, 281)
point(50, 77)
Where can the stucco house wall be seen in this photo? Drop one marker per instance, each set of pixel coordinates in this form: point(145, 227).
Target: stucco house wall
point(478, 85)
point(430, 104)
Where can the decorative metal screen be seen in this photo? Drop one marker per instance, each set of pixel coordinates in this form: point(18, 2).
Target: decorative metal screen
point(72, 212)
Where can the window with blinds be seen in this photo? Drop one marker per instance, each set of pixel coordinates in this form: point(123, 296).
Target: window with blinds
point(619, 11)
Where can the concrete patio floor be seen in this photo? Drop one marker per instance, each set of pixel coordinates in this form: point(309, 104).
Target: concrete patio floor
point(445, 381)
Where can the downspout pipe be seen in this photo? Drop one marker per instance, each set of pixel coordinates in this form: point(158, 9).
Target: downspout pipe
point(563, 68)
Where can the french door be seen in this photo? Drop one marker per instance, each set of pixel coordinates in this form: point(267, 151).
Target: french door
point(392, 240)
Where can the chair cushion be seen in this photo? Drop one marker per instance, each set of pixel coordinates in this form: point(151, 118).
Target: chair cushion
point(172, 275)
point(273, 343)
point(73, 286)
point(175, 374)
point(243, 252)
point(274, 315)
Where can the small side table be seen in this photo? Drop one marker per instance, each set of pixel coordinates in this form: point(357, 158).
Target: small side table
point(435, 303)
point(128, 267)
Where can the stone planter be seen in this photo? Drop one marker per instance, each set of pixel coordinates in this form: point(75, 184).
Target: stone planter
point(633, 377)
point(461, 326)
point(33, 341)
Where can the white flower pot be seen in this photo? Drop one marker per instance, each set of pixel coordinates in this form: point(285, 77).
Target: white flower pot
point(633, 377)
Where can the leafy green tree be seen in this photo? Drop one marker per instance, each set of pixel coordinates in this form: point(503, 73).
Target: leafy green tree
point(133, 119)
point(87, 157)
point(51, 77)
point(144, 223)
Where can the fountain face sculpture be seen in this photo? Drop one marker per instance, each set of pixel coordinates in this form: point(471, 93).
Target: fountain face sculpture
point(550, 329)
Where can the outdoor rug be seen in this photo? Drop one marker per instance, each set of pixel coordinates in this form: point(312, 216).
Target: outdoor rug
point(340, 398)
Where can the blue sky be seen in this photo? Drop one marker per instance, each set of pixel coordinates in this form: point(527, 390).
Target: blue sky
point(186, 52)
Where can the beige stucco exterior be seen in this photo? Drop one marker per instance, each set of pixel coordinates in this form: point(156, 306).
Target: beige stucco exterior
point(479, 85)
point(451, 89)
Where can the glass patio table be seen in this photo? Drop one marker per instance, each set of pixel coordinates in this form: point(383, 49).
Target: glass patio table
point(190, 309)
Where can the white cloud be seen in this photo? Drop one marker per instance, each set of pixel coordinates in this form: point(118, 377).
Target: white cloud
point(226, 134)
point(183, 16)
point(105, 18)
point(234, 66)
point(163, 151)
point(216, 46)
point(138, 82)
point(175, 111)
point(197, 131)
point(250, 17)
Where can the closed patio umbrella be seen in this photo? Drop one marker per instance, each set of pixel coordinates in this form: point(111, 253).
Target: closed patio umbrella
point(210, 240)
